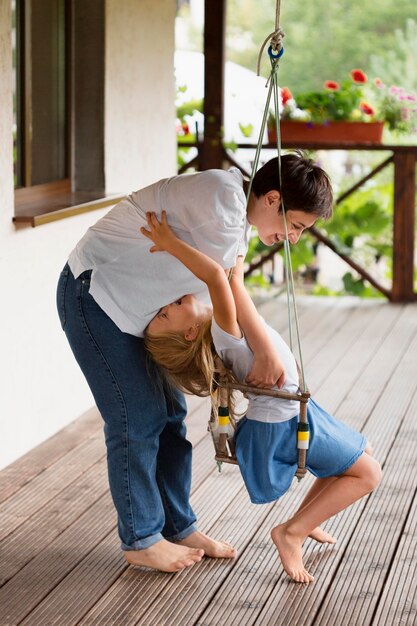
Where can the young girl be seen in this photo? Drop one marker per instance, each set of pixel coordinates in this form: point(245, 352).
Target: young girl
point(184, 338)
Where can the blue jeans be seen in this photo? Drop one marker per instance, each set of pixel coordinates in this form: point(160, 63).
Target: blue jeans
point(148, 456)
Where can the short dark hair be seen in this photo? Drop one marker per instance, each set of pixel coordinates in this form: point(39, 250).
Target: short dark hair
point(305, 185)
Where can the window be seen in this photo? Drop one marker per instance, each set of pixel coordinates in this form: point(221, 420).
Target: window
point(58, 59)
point(41, 94)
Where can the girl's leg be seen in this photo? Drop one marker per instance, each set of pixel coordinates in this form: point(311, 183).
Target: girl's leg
point(318, 534)
point(319, 484)
point(134, 410)
point(357, 481)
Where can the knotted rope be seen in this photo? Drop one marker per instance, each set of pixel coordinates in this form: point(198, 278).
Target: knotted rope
point(275, 37)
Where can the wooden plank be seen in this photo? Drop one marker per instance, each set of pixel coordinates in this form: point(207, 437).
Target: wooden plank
point(197, 418)
point(146, 599)
point(85, 584)
point(353, 363)
point(29, 539)
point(22, 471)
point(362, 397)
point(51, 565)
point(185, 597)
point(247, 588)
point(44, 487)
point(346, 332)
point(361, 576)
point(37, 532)
point(398, 601)
point(74, 595)
point(20, 595)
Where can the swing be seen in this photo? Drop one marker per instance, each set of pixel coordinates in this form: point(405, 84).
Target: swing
point(221, 425)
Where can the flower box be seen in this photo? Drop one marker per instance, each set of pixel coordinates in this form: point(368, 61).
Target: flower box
point(329, 133)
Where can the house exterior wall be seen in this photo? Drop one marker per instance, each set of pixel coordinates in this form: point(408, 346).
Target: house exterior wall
point(139, 86)
point(41, 386)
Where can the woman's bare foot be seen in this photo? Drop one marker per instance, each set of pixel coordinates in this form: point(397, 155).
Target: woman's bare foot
point(211, 547)
point(320, 535)
point(164, 556)
point(289, 549)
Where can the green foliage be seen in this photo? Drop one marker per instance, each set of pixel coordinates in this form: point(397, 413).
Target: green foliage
point(257, 280)
point(322, 39)
point(246, 129)
point(302, 254)
point(357, 287)
point(362, 228)
point(396, 64)
point(189, 108)
point(331, 105)
point(365, 216)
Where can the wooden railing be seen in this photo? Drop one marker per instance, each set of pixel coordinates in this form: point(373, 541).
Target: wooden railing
point(404, 160)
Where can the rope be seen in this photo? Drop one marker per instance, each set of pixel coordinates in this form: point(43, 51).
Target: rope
point(275, 52)
point(275, 37)
point(289, 278)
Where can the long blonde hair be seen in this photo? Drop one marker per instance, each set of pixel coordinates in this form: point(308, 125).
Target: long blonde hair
point(190, 366)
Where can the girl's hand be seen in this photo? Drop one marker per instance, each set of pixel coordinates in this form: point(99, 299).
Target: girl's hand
point(159, 232)
point(267, 371)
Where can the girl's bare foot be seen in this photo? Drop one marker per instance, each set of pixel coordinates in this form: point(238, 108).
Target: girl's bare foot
point(211, 547)
point(164, 556)
point(320, 535)
point(289, 549)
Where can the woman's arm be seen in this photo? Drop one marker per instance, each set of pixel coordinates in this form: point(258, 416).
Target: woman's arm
point(207, 270)
point(267, 369)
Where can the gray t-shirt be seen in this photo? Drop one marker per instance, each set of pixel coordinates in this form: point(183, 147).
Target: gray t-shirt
point(237, 355)
point(207, 210)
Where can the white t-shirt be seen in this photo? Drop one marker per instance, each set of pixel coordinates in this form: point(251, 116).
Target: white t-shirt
point(237, 355)
point(207, 210)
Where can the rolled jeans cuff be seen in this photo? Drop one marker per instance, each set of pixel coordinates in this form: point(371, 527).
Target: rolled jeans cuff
point(183, 534)
point(142, 544)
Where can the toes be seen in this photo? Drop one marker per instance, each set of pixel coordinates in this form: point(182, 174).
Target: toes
point(197, 552)
point(301, 576)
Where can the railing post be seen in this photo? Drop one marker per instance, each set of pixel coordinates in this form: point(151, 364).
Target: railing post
point(404, 226)
point(212, 151)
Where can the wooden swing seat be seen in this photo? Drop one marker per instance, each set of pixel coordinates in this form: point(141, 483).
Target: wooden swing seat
point(224, 443)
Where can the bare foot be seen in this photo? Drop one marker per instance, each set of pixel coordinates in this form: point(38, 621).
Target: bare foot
point(289, 548)
point(164, 556)
point(320, 535)
point(211, 547)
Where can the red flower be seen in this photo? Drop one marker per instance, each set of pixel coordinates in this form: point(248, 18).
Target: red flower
point(285, 95)
point(358, 76)
point(378, 83)
point(366, 108)
point(331, 85)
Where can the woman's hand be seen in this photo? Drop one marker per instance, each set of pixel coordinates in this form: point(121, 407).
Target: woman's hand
point(159, 232)
point(267, 371)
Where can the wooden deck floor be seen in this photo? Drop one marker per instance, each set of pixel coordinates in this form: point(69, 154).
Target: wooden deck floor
point(60, 561)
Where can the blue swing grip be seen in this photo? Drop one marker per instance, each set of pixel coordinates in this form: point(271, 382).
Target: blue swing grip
point(275, 55)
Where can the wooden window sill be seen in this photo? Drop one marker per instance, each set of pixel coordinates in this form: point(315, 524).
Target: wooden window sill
point(34, 210)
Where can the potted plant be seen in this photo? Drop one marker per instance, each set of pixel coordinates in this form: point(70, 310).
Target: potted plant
point(349, 112)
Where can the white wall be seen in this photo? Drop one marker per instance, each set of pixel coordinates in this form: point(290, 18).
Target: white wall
point(41, 387)
point(140, 41)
